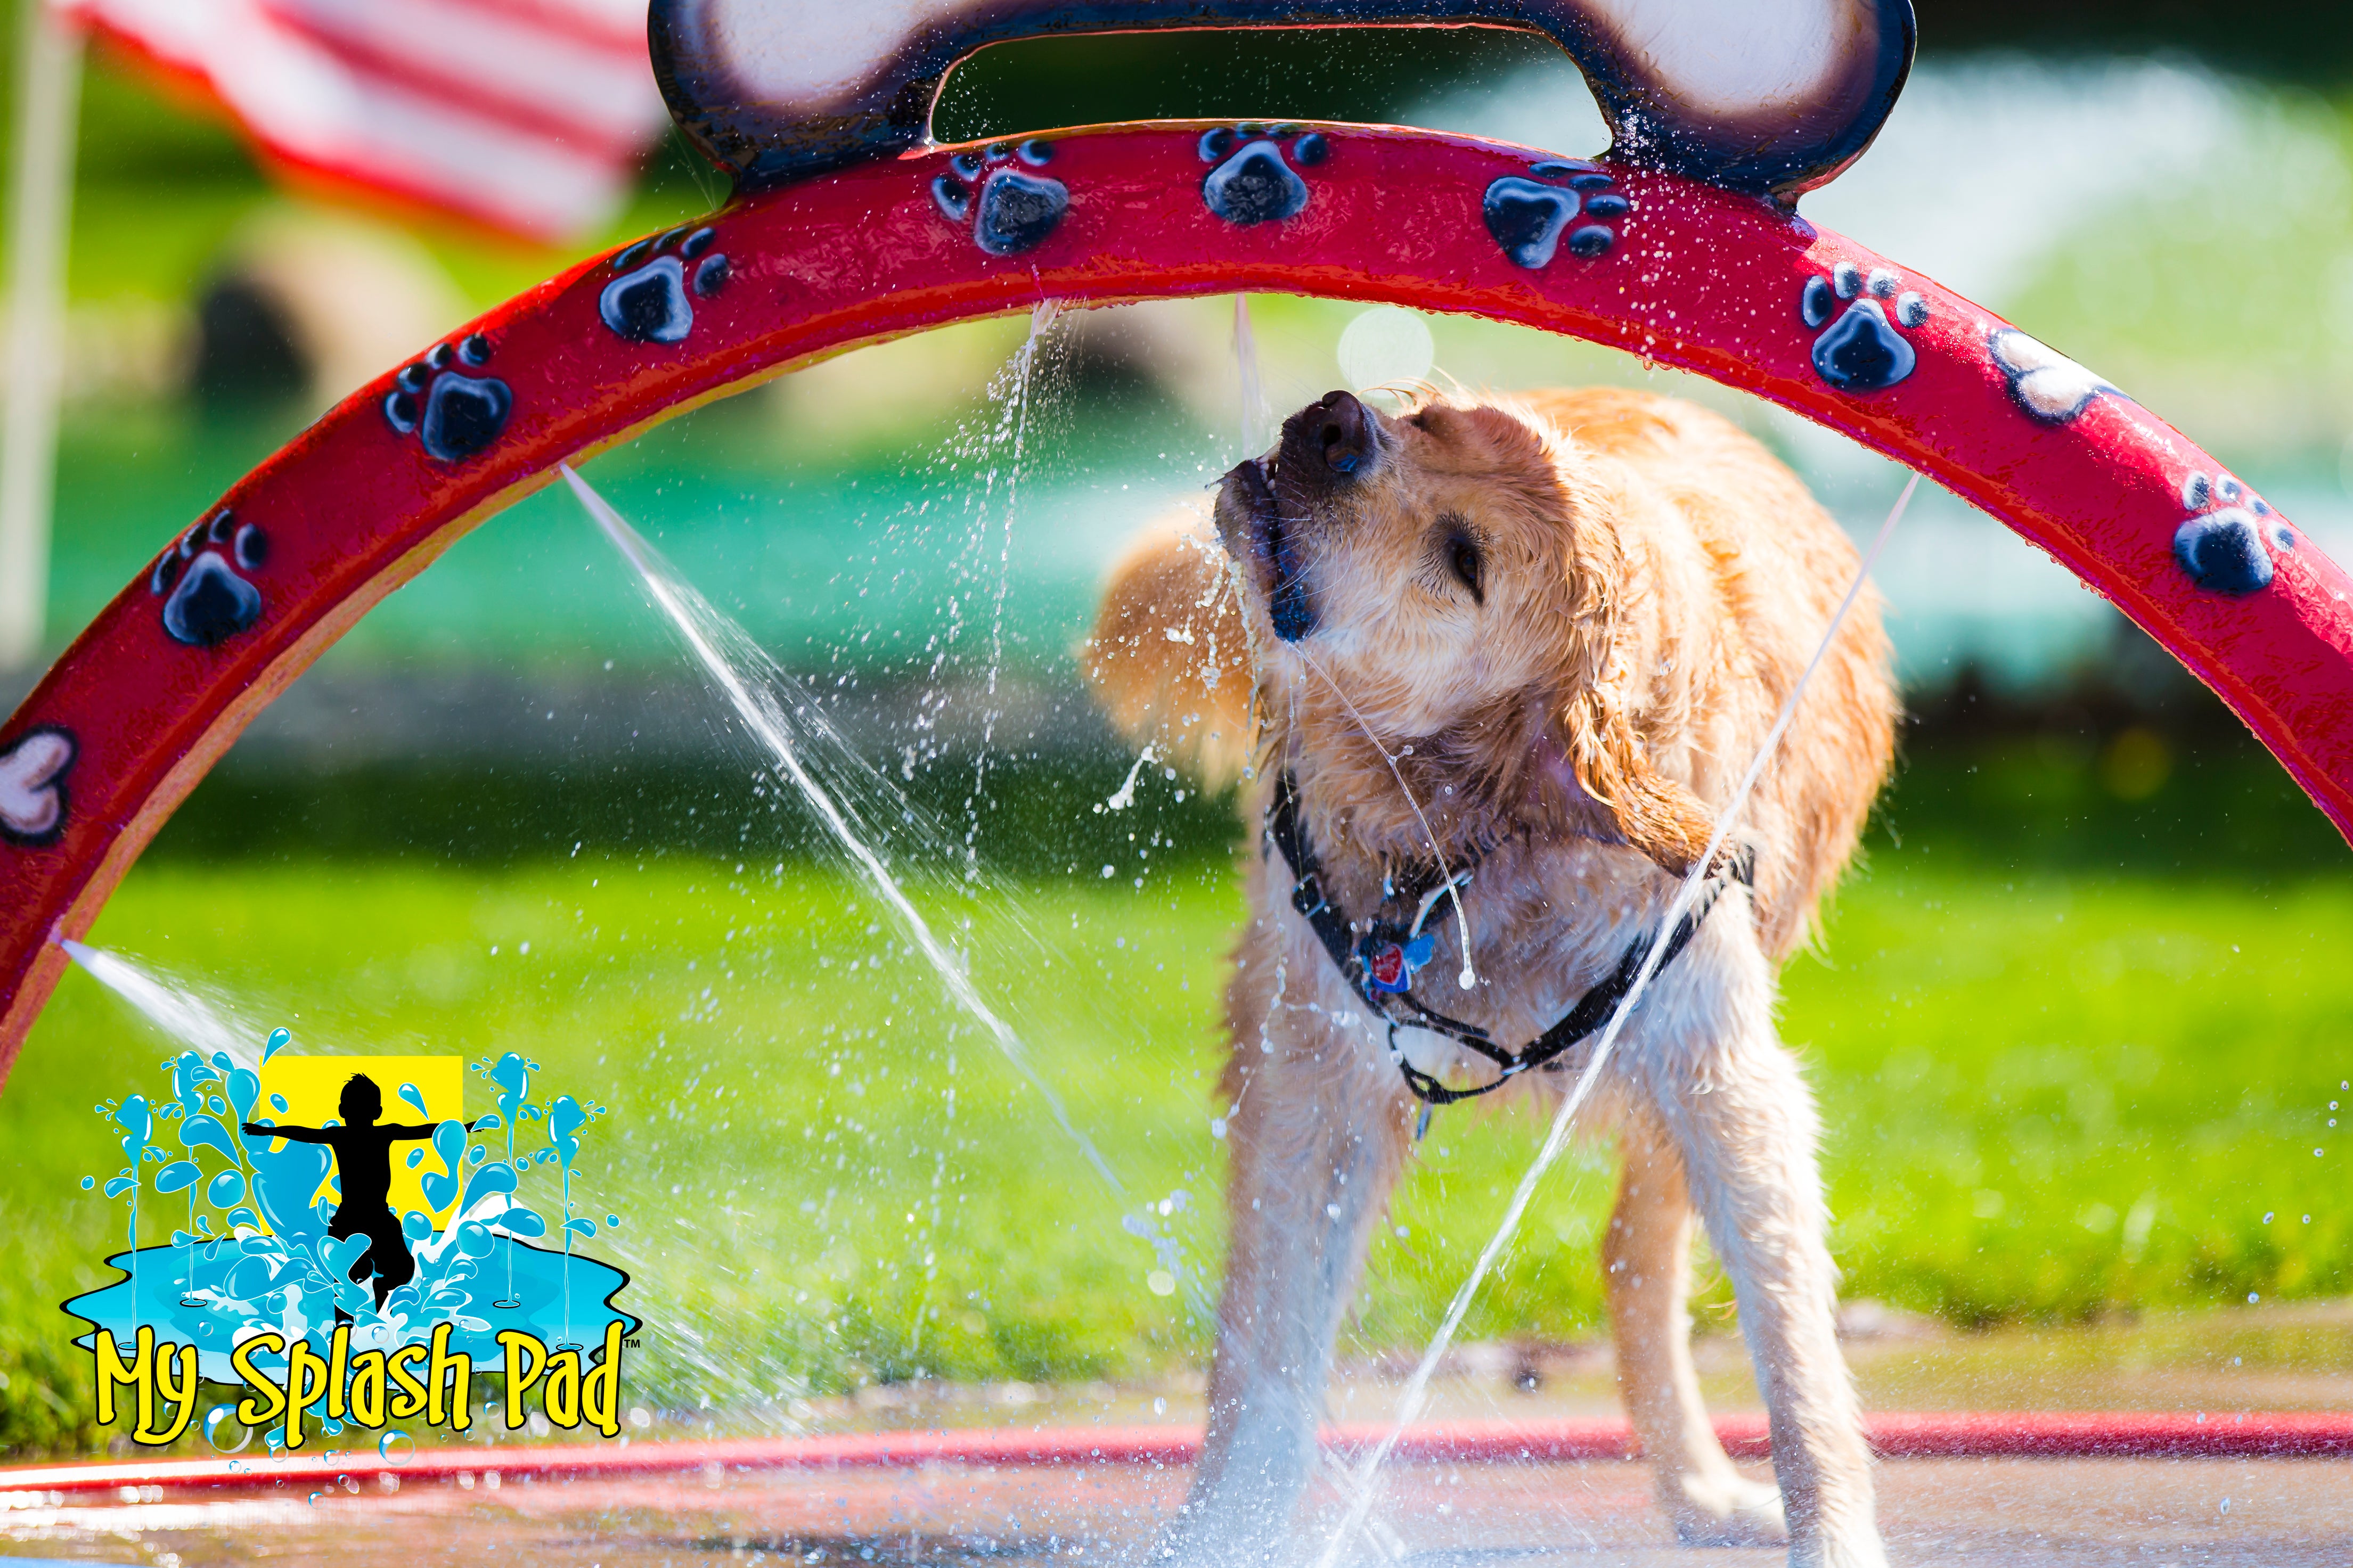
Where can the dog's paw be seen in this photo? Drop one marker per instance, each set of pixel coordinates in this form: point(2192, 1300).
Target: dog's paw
point(453, 414)
point(1860, 1550)
point(1011, 208)
point(1255, 180)
point(650, 302)
point(202, 580)
point(1529, 217)
point(1723, 1511)
point(32, 786)
point(1862, 349)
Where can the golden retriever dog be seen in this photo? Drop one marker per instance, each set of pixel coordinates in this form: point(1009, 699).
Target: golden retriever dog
point(1518, 651)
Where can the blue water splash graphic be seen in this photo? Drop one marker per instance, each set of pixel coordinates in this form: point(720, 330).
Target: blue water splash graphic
point(256, 1252)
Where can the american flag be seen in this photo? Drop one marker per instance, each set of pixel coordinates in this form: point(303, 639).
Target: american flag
point(526, 115)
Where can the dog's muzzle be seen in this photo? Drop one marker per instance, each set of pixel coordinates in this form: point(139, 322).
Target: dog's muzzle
point(1251, 519)
point(1266, 505)
point(1330, 444)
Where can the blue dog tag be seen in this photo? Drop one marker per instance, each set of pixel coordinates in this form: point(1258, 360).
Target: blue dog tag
point(1391, 966)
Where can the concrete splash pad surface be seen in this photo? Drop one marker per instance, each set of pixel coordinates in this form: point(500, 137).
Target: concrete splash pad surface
point(2024, 1490)
point(2278, 1512)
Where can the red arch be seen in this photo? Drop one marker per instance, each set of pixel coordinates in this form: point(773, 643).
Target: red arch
point(1694, 277)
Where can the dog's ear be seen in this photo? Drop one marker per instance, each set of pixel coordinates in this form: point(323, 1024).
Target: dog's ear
point(1168, 659)
point(1656, 815)
point(1604, 748)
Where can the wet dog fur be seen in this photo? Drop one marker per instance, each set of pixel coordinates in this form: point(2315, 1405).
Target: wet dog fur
point(1568, 618)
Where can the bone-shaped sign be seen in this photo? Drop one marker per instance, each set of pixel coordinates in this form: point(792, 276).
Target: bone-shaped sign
point(1754, 95)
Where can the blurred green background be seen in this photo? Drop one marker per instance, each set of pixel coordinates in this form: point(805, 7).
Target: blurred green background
point(2076, 1022)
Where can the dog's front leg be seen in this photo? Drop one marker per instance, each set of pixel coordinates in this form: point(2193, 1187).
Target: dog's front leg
point(1317, 1140)
point(1744, 1122)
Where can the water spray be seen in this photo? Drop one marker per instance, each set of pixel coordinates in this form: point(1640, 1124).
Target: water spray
point(204, 1025)
point(749, 679)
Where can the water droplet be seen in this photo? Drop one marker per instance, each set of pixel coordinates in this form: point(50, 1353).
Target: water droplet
point(218, 1417)
point(396, 1448)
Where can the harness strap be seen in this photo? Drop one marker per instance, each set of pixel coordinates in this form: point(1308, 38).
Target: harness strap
point(1339, 938)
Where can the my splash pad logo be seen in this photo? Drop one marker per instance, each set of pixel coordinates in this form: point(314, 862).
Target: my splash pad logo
point(347, 1248)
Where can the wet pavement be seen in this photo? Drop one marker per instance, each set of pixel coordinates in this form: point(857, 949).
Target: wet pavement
point(2080, 1513)
point(2071, 1512)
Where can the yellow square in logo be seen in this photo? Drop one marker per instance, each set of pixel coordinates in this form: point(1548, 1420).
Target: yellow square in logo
point(313, 1088)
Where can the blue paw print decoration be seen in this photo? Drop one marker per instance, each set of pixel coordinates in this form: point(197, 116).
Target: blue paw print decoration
point(1012, 208)
point(650, 302)
point(1864, 351)
point(1528, 216)
point(2223, 546)
point(1254, 178)
point(202, 580)
point(454, 414)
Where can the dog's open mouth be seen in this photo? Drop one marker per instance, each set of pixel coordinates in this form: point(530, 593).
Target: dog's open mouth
point(1256, 531)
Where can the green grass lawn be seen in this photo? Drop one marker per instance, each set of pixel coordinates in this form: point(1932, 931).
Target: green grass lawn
point(2044, 1098)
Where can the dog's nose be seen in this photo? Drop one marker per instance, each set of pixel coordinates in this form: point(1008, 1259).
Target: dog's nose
point(1335, 439)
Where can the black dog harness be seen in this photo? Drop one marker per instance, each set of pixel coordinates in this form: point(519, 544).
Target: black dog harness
point(1379, 960)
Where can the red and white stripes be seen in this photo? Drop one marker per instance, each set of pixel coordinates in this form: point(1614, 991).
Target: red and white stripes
point(526, 115)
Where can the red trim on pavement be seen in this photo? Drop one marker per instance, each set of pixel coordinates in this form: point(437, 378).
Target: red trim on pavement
point(1942, 1435)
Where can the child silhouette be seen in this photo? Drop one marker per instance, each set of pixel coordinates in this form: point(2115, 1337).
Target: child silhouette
point(363, 1149)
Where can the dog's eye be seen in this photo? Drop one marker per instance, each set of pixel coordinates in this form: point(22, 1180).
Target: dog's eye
point(1463, 559)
